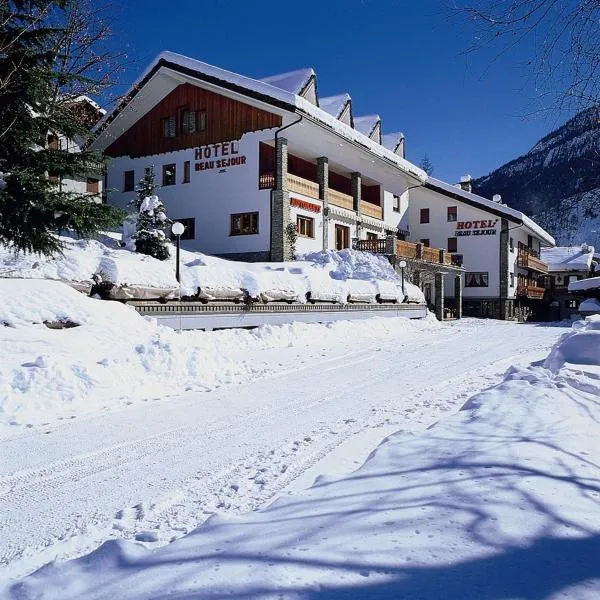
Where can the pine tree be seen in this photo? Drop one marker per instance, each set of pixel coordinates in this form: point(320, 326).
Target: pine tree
point(152, 221)
point(34, 74)
point(426, 164)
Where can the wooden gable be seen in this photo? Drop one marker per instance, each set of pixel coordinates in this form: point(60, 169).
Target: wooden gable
point(224, 120)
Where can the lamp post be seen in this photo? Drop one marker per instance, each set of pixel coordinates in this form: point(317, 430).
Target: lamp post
point(402, 265)
point(177, 229)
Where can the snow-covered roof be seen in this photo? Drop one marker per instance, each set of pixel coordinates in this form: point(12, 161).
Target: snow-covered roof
point(391, 141)
point(592, 283)
point(568, 258)
point(292, 81)
point(591, 305)
point(266, 92)
point(334, 105)
point(496, 207)
point(366, 124)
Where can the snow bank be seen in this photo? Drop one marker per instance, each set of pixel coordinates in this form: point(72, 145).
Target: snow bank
point(579, 347)
point(499, 501)
point(591, 305)
point(331, 276)
point(65, 354)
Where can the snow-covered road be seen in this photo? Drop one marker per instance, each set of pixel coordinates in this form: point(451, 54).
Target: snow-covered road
point(156, 469)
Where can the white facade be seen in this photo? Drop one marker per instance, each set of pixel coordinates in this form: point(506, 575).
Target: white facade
point(474, 225)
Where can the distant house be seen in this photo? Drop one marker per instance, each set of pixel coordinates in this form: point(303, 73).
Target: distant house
point(88, 113)
point(567, 264)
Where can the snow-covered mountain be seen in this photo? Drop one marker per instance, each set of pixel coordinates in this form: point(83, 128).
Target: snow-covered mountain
point(557, 181)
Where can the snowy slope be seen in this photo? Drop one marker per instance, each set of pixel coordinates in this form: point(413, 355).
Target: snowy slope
point(557, 182)
point(500, 501)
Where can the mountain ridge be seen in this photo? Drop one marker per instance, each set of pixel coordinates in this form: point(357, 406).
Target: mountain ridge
point(557, 182)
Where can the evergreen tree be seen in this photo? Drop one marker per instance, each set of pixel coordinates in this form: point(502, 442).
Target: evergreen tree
point(150, 237)
point(426, 164)
point(34, 74)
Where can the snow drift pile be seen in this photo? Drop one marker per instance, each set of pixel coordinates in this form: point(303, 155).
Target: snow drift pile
point(328, 276)
point(64, 354)
point(499, 501)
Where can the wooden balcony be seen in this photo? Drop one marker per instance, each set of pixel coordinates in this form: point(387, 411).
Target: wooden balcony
point(431, 255)
point(375, 246)
point(371, 210)
point(406, 249)
point(303, 186)
point(340, 199)
point(266, 181)
point(527, 260)
point(530, 290)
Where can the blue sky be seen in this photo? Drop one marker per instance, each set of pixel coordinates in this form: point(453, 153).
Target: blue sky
point(402, 59)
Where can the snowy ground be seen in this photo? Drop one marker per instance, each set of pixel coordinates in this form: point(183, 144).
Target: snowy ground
point(300, 400)
point(499, 501)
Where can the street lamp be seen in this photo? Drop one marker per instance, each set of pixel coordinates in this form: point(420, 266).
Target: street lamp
point(177, 229)
point(402, 265)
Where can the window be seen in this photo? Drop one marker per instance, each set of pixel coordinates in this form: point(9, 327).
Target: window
point(169, 172)
point(476, 279)
point(168, 126)
point(53, 142)
point(187, 120)
point(511, 244)
point(571, 278)
point(425, 242)
point(305, 226)
point(92, 186)
point(201, 120)
point(244, 223)
point(128, 181)
point(396, 203)
point(452, 214)
point(186, 172)
point(424, 215)
point(452, 244)
point(571, 303)
point(189, 233)
point(371, 235)
point(512, 280)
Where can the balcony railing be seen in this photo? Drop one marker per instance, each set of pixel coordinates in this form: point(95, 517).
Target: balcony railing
point(406, 249)
point(376, 246)
point(340, 199)
point(431, 255)
point(530, 290)
point(266, 181)
point(303, 186)
point(527, 259)
point(371, 210)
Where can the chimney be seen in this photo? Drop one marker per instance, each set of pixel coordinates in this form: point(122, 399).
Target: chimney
point(465, 183)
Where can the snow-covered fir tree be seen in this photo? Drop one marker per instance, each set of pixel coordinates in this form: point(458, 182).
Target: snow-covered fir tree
point(152, 221)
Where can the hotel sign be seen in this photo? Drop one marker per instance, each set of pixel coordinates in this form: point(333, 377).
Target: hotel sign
point(218, 156)
point(309, 206)
point(480, 227)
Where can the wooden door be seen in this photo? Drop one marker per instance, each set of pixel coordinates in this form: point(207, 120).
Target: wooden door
point(342, 237)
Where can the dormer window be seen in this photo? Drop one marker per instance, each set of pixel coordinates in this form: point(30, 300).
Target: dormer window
point(187, 120)
point(168, 127)
point(191, 121)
